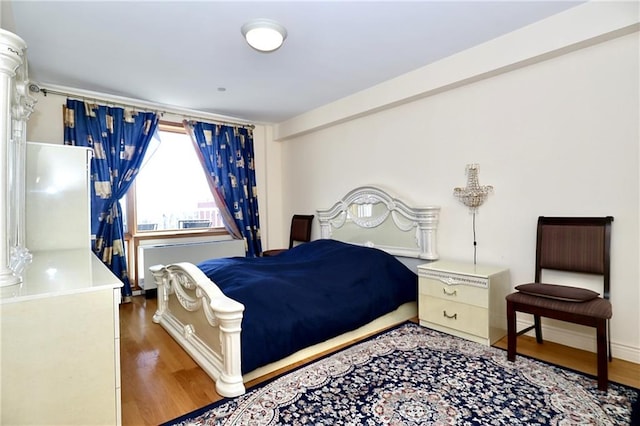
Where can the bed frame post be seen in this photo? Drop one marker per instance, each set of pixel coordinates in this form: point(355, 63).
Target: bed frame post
point(160, 277)
point(427, 222)
point(230, 381)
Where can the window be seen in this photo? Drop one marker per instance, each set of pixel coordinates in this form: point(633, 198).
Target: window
point(171, 191)
point(170, 197)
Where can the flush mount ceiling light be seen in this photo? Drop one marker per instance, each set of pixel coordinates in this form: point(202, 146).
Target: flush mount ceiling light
point(264, 35)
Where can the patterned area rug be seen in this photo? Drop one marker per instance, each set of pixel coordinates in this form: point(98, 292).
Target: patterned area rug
point(412, 375)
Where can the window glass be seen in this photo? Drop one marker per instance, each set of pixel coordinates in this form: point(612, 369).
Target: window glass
point(171, 188)
point(125, 216)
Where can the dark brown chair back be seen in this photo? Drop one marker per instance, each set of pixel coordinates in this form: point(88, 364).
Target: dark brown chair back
point(574, 244)
point(300, 229)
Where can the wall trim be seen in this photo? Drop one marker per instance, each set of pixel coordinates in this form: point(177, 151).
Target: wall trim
point(576, 28)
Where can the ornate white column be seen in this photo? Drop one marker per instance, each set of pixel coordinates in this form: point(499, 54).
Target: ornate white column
point(12, 50)
point(22, 107)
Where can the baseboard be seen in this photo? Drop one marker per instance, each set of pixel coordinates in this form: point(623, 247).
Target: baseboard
point(582, 341)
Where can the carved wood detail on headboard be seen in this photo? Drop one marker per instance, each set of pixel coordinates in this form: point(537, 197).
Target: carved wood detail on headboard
point(376, 219)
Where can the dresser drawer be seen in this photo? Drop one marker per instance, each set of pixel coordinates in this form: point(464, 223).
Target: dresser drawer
point(459, 316)
point(472, 295)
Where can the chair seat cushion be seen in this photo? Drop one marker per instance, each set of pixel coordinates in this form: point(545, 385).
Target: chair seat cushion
point(595, 308)
point(558, 292)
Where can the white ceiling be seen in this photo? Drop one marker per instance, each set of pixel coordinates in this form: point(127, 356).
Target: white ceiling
point(181, 53)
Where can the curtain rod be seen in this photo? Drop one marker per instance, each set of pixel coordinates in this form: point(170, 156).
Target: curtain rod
point(137, 104)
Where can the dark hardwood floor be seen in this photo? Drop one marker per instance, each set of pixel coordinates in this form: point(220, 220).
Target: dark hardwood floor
point(161, 382)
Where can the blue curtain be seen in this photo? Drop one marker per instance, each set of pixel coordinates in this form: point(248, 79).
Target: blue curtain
point(119, 139)
point(227, 154)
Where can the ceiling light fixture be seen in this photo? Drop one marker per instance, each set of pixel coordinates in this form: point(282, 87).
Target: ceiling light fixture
point(264, 35)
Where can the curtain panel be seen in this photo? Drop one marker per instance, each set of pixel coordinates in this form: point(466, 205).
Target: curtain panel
point(226, 153)
point(119, 139)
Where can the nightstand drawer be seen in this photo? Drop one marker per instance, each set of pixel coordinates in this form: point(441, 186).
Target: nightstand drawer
point(453, 278)
point(456, 293)
point(459, 316)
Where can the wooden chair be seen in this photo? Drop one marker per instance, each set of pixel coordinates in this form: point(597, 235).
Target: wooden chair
point(300, 233)
point(571, 244)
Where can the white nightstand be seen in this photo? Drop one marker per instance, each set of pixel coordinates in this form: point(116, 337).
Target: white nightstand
point(464, 299)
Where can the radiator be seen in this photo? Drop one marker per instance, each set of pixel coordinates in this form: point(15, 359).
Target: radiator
point(184, 252)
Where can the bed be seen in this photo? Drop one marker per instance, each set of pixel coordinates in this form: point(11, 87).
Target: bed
point(368, 236)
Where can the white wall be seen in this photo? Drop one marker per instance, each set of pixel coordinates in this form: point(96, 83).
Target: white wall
point(554, 136)
point(45, 123)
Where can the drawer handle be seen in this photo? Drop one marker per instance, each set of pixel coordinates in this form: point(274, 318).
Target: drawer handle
point(453, 293)
point(454, 316)
point(450, 281)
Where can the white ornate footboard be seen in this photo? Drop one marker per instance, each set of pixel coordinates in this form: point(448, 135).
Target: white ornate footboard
point(196, 303)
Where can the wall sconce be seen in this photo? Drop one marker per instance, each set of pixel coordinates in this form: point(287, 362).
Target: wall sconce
point(264, 35)
point(472, 196)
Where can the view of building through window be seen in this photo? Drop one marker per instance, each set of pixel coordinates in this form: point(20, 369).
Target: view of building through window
point(171, 188)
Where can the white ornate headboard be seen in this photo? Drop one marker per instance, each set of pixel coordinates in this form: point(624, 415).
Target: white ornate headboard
point(370, 217)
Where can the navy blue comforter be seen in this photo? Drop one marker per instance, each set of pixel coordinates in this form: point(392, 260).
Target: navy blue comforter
point(309, 294)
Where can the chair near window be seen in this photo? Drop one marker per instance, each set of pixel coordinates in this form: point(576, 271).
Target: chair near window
point(300, 233)
point(571, 244)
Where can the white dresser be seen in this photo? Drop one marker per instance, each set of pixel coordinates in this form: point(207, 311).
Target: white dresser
point(60, 342)
point(464, 299)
